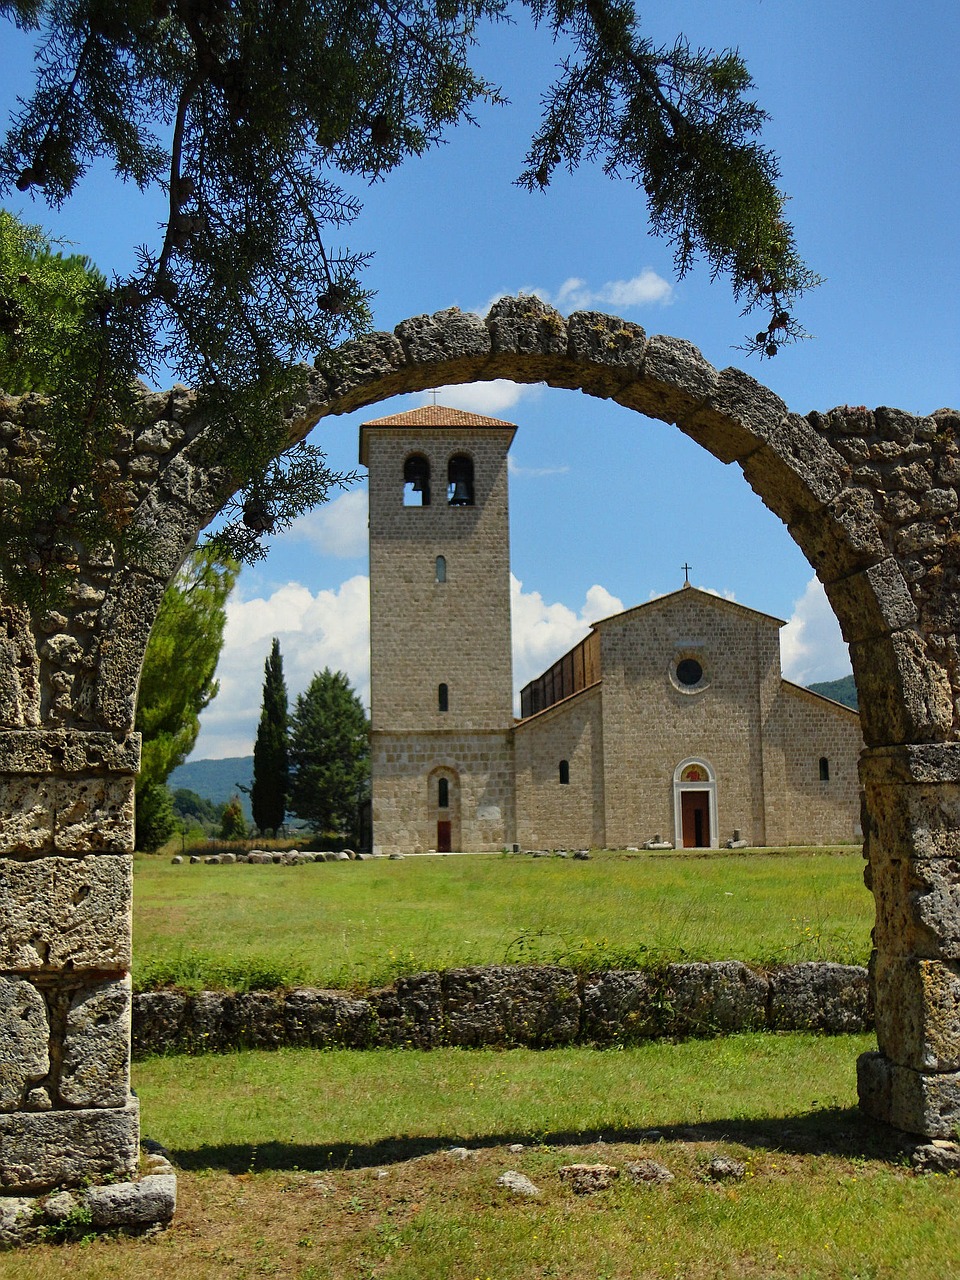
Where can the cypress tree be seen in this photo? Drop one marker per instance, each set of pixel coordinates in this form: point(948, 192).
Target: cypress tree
point(270, 770)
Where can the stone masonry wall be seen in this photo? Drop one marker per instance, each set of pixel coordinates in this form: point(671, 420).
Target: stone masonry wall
point(551, 814)
point(512, 1006)
point(819, 812)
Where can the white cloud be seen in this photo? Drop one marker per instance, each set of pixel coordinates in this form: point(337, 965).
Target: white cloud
point(337, 528)
point(515, 469)
point(488, 398)
point(641, 291)
point(811, 645)
point(575, 294)
point(544, 632)
point(329, 629)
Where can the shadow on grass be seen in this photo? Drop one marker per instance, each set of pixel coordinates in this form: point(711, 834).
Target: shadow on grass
point(836, 1131)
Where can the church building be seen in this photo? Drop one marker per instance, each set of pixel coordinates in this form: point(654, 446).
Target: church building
point(669, 724)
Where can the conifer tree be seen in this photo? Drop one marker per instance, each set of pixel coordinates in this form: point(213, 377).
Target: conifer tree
point(329, 756)
point(268, 795)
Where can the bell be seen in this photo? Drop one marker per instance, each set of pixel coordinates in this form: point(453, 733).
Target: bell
point(461, 495)
point(419, 484)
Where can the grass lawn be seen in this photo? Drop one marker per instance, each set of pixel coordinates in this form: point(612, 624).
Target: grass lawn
point(337, 1166)
point(353, 924)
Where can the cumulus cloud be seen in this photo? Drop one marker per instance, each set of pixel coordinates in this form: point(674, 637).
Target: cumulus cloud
point(488, 398)
point(328, 629)
point(811, 645)
point(576, 295)
point(543, 632)
point(337, 528)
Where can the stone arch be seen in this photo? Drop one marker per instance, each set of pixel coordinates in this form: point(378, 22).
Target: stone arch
point(870, 497)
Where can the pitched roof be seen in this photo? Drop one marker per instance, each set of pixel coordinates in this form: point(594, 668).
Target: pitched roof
point(436, 415)
point(689, 592)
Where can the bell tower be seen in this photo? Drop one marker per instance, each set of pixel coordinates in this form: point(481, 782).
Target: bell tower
point(440, 656)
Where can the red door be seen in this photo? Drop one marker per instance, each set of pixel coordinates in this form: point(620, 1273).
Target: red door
point(695, 819)
point(443, 836)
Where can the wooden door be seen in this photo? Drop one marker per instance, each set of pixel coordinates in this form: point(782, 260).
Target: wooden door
point(443, 836)
point(695, 819)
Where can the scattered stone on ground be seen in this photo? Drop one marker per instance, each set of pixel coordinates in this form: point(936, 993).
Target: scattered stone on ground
point(586, 1179)
point(460, 1153)
point(516, 1147)
point(939, 1156)
point(725, 1169)
point(647, 1171)
point(518, 1183)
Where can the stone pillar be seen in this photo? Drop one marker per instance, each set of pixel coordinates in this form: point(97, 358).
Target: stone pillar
point(66, 869)
point(912, 841)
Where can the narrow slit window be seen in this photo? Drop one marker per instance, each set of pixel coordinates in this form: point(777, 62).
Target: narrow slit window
point(564, 773)
point(443, 698)
point(416, 481)
point(441, 568)
point(460, 481)
point(824, 769)
point(443, 793)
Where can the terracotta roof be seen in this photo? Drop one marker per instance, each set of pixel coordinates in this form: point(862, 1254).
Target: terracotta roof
point(435, 415)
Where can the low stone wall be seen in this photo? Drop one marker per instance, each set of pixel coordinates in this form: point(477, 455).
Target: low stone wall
point(512, 1006)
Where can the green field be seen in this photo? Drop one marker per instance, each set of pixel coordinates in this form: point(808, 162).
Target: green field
point(357, 924)
point(337, 1166)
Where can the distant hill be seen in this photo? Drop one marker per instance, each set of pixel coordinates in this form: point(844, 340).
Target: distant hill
point(216, 780)
point(842, 690)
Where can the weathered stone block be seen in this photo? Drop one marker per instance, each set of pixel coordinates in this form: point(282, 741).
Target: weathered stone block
point(918, 1012)
point(529, 327)
point(410, 1013)
point(157, 1021)
point(676, 380)
point(615, 345)
point(820, 997)
point(905, 694)
point(131, 1206)
point(445, 336)
point(621, 1006)
point(738, 417)
point(842, 538)
point(95, 1068)
point(714, 998)
point(873, 602)
point(796, 472)
point(26, 814)
point(323, 1019)
point(44, 1149)
point(24, 1041)
point(66, 913)
point(126, 619)
point(508, 1005)
point(918, 906)
point(94, 814)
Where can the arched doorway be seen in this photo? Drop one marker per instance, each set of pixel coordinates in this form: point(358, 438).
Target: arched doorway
point(443, 808)
point(695, 805)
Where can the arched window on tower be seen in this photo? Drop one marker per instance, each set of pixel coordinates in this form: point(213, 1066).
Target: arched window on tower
point(416, 481)
point(460, 481)
point(443, 698)
point(565, 773)
point(824, 769)
point(443, 793)
point(441, 568)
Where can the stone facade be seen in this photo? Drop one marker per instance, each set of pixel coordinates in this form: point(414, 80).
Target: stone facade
point(870, 497)
point(641, 747)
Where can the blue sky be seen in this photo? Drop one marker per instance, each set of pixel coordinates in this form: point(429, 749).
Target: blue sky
point(606, 506)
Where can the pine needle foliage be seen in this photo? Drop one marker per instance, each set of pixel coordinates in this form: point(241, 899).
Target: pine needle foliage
point(256, 118)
